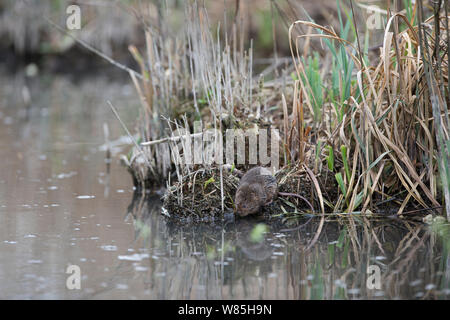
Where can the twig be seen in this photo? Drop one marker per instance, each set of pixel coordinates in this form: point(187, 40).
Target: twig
point(96, 51)
point(129, 134)
point(169, 139)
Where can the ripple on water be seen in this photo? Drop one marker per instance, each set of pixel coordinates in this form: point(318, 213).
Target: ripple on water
point(354, 291)
point(140, 268)
point(109, 248)
point(34, 261)
point(85, 197)
point(379, 293)
point(66, 175)
point(121, 286)
point(134, 257)
point(415, 283)
point(430, 286)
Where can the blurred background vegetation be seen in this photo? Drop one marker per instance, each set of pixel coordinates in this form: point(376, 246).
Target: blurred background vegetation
point(111, 26)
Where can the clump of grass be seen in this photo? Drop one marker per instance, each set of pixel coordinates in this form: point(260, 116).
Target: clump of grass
point(378, 127)
point(197, 196)
point(383, 128)
point(193, 77)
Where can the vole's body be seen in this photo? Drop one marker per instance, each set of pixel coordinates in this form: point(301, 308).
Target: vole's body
point(258, 188)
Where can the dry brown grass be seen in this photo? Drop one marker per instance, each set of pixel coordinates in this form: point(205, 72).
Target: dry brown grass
point(379, 125)
point(390, 128)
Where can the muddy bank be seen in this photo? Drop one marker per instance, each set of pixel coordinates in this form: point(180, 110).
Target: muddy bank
point(198, 198)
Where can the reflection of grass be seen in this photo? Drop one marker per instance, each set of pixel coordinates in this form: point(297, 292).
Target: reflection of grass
point(229, 265)
point(442, 229)
point(264, 40)
point(257, 233)
point(142, 229)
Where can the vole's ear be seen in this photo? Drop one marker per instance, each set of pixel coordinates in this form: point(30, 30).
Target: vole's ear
point(238, 173)
point(234, 171)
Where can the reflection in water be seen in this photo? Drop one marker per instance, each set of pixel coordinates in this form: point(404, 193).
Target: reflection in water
point(222, 262)
point(61, 204)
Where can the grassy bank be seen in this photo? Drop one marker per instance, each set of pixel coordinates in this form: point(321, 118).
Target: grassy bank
point(374, 119)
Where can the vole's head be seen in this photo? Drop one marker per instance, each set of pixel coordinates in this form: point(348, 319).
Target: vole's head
point(248, 199)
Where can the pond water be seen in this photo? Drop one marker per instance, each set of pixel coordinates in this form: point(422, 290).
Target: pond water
point(62, 204)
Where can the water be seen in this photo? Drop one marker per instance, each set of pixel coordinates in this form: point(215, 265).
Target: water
point(60, 205)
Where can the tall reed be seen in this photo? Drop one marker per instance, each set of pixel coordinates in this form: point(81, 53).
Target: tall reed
point(385, 124)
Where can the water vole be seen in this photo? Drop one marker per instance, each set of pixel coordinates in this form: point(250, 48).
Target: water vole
point(257, 188)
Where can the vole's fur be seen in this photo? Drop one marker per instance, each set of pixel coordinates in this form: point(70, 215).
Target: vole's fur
point(257, 188)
